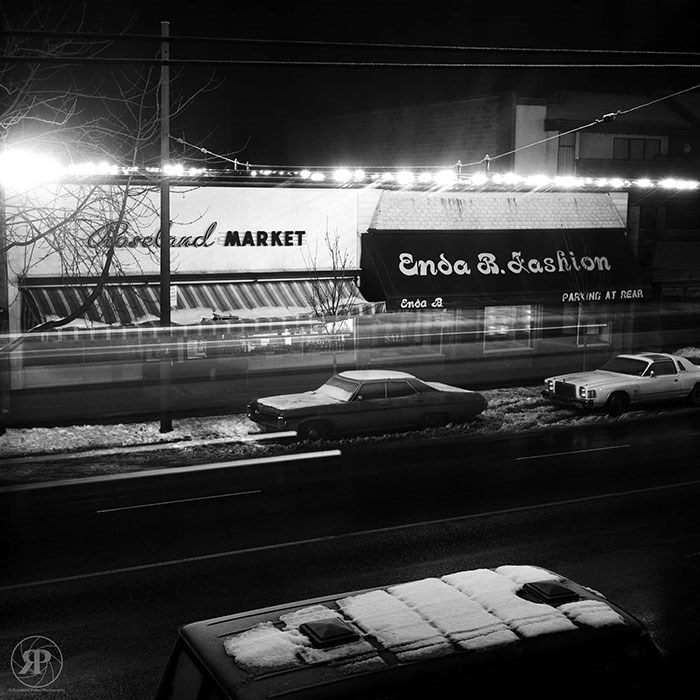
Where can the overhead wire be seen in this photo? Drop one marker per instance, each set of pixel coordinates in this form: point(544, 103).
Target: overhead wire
point(332, 64)
point(610, 116)
point(338, 44)
point(370, 64)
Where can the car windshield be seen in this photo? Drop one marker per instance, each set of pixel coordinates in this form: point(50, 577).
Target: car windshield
point(625, 365)
point(338, 388)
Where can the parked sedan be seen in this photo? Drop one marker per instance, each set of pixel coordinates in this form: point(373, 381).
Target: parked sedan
point(627, 380)
point(366, 401)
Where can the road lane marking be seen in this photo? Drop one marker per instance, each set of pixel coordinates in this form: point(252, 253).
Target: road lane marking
point(345, 535)
point(171, 470)
point(572, 452)
point(176, 501)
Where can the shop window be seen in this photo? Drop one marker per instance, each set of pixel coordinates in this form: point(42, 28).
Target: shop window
point(593, 326)
point(508, 327)
point(196, 348)
point(577, 324)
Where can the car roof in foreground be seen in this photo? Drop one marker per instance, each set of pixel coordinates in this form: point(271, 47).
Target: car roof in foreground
point(384, 635)
point(367, 375)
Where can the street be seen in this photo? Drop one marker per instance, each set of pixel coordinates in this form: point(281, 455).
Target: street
point(110, 569)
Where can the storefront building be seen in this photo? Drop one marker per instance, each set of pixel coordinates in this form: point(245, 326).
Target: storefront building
point(273, 288)
point(519, 283)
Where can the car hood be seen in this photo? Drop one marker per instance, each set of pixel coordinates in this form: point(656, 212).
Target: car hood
point(594, 378)
point(305, 399)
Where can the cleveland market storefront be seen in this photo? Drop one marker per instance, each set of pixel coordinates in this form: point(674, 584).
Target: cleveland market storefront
point(264, 299)
point(497, 287)
point(473, 288)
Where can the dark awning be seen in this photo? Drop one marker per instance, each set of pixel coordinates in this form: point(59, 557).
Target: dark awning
point(424, 269)
point(131, 304)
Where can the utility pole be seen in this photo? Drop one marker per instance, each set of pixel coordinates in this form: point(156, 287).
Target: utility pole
point(166, 370)
point(4, 318)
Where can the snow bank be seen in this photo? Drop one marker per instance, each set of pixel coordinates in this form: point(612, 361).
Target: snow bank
point(516, 409)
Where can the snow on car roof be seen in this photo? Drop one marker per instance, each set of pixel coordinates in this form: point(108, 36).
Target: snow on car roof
point(655, 355)
point(649, 355)
point(428, 618)
point(366, 375)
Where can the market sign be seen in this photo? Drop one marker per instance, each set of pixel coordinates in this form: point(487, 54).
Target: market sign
point(106, 237)
point(450, 269)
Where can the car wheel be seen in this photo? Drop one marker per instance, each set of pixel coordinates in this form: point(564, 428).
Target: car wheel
point(618, 403)
point(314, 430)
point(434, 420)
point(694, 395)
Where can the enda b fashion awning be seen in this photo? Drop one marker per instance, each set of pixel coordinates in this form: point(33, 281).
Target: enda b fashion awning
point(454, 249)
point(453, 269)
point(128, 304)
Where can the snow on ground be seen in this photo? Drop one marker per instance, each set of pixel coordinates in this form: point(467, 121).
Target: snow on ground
point(28, 441)
point(509, 410)
point(516, 409)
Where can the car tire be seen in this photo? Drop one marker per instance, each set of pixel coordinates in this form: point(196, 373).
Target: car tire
point(694, 395)
point(315, 430)
point(618, 403)
point(434, 420)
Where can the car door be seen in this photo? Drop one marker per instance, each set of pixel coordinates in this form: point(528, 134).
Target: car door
point(405, 407)
point(369, 411)
point(660, 381)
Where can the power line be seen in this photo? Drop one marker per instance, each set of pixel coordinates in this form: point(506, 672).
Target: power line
point(611, 116)
point(606, 118)
point(339, 44)
point(334, 64)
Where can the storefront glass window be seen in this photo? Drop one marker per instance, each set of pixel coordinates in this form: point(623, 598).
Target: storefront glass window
point(508, 327)
point(579, 324)
point(593, 326)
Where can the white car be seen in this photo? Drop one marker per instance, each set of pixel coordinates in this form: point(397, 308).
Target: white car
point(627, 380)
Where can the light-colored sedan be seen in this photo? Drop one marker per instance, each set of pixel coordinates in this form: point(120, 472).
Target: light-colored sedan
point(366, 401)
point(627, 380)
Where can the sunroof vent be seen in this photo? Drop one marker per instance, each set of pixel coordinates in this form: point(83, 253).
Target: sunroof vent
point(329, 632)
point(550, 592)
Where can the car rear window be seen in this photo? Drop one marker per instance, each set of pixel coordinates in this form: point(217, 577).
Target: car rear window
point(421, 387)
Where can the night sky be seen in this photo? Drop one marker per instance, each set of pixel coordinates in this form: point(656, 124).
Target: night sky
point(248, 115)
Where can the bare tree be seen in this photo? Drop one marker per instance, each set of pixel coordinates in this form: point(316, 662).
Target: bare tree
point(332, 297)
point(76, 113)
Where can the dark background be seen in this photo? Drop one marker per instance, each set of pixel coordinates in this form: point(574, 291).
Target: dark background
point(251, 112)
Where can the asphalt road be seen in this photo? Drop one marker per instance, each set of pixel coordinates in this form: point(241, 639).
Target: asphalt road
point(110, 569)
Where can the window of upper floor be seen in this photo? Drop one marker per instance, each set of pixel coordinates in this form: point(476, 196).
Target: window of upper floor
point(628, 148)
point(594, 145)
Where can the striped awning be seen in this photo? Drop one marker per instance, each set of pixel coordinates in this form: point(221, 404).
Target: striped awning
point(131, 304)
